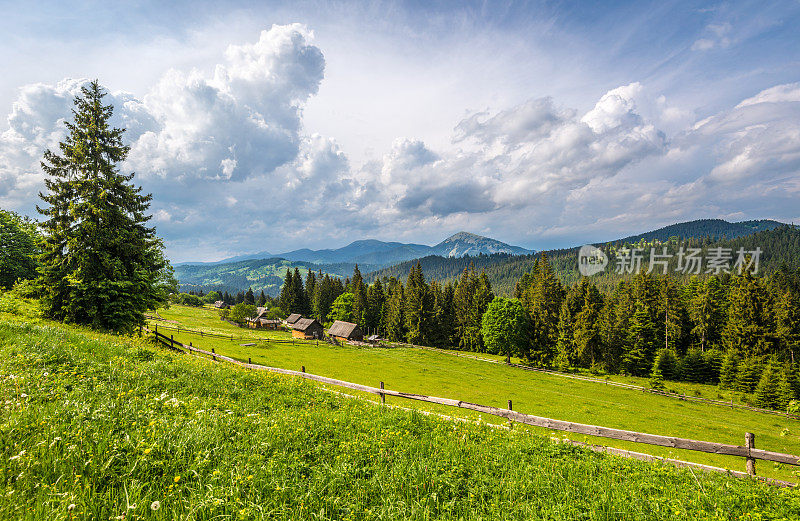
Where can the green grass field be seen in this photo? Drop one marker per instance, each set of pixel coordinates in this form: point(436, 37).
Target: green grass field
point(552, 396)
point(105, 427)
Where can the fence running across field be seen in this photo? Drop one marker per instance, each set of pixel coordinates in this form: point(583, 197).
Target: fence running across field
point(748, 451)
point(231, 337)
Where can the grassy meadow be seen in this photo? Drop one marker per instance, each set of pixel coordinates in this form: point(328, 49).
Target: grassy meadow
point(105, 427)
point(552, 396)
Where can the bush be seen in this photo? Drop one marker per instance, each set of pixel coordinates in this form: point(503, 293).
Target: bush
point(241, 312)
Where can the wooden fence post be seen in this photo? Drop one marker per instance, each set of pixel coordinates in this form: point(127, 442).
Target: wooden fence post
point(750, 443)
point(249, 362)
point(510, 422)
point(302, 369)
point(156, 329)
point(383, 396)
point(171, 342)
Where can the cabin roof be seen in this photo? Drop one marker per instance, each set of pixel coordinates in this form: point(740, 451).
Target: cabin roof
point(342, 329)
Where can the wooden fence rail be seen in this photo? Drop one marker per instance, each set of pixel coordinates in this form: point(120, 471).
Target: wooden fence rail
point(156, 327)
point(748, 451)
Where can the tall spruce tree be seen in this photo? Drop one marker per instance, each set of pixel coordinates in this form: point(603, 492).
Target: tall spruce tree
point(417, 307)
point(101, 264)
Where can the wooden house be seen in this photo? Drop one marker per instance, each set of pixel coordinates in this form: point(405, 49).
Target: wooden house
point(307, 328)
point(345, 331)
point(269, 323)
point(294, 317)
point(220, 305)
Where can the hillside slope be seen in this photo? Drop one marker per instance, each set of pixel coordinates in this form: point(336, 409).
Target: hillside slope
point(99, 427)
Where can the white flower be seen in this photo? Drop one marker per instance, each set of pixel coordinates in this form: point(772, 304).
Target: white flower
point(71, 507)
point(155, 505)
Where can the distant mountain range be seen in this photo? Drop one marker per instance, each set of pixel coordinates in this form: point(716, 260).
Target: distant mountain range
point(265, 271)
point(504, 263)
point(374, 252)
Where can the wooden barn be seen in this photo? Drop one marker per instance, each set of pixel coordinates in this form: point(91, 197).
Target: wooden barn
point(294, 317)
point(344, 331)
point(307, 328)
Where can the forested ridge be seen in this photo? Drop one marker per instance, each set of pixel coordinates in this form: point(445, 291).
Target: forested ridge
point(779, 246)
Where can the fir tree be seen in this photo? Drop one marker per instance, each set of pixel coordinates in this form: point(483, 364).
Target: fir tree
point(417, 308)
point(666, 363)
point(101, 264)
point(638, 360)
point(767, 390)
point(394, 320)
point(588, 340)
point(288, 297)
point(249, 297)
point(729, 370)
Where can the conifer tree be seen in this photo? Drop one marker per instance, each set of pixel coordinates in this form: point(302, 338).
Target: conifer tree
point(588, 340)
point(463, 297)
point(394, 319)
point(638, 359)
point(298, 290)
point(767, 390)
point(729, 370)
point(787, 323)
point(543, 299)
point(666, 363)
point(746, 326)
point(748, 375)
point(375, 304)
point(262, 299)
point(565, 345)
point(288, 297)
point(249, 297)
point(417, 307)
point(359, 290)
point(705, 312)
point(101, 264)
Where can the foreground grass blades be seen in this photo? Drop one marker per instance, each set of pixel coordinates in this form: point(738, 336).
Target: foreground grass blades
point(103, 427)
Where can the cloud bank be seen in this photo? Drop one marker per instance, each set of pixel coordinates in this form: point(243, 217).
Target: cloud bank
point(233, 169)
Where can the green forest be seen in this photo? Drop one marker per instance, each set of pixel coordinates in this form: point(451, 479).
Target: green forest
point(741, 331)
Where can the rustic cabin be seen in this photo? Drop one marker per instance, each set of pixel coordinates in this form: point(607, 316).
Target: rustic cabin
point(294, 317)
point(307, 328)
point(344, 331)
point(220, 305)
point(269, 323)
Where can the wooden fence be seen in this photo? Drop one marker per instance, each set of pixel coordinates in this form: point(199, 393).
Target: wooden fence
point(225, 337)
point(748, 451)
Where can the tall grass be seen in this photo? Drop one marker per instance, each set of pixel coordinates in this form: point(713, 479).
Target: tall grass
point(103, 427)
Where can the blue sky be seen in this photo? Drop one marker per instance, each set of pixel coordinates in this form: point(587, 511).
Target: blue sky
point(278, 125)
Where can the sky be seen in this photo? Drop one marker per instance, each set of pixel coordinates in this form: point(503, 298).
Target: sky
point(270, 126)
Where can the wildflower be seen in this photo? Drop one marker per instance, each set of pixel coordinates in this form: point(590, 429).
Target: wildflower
point(177, 478)
point(148, 450)
point(155, 505)
point(71, 507)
